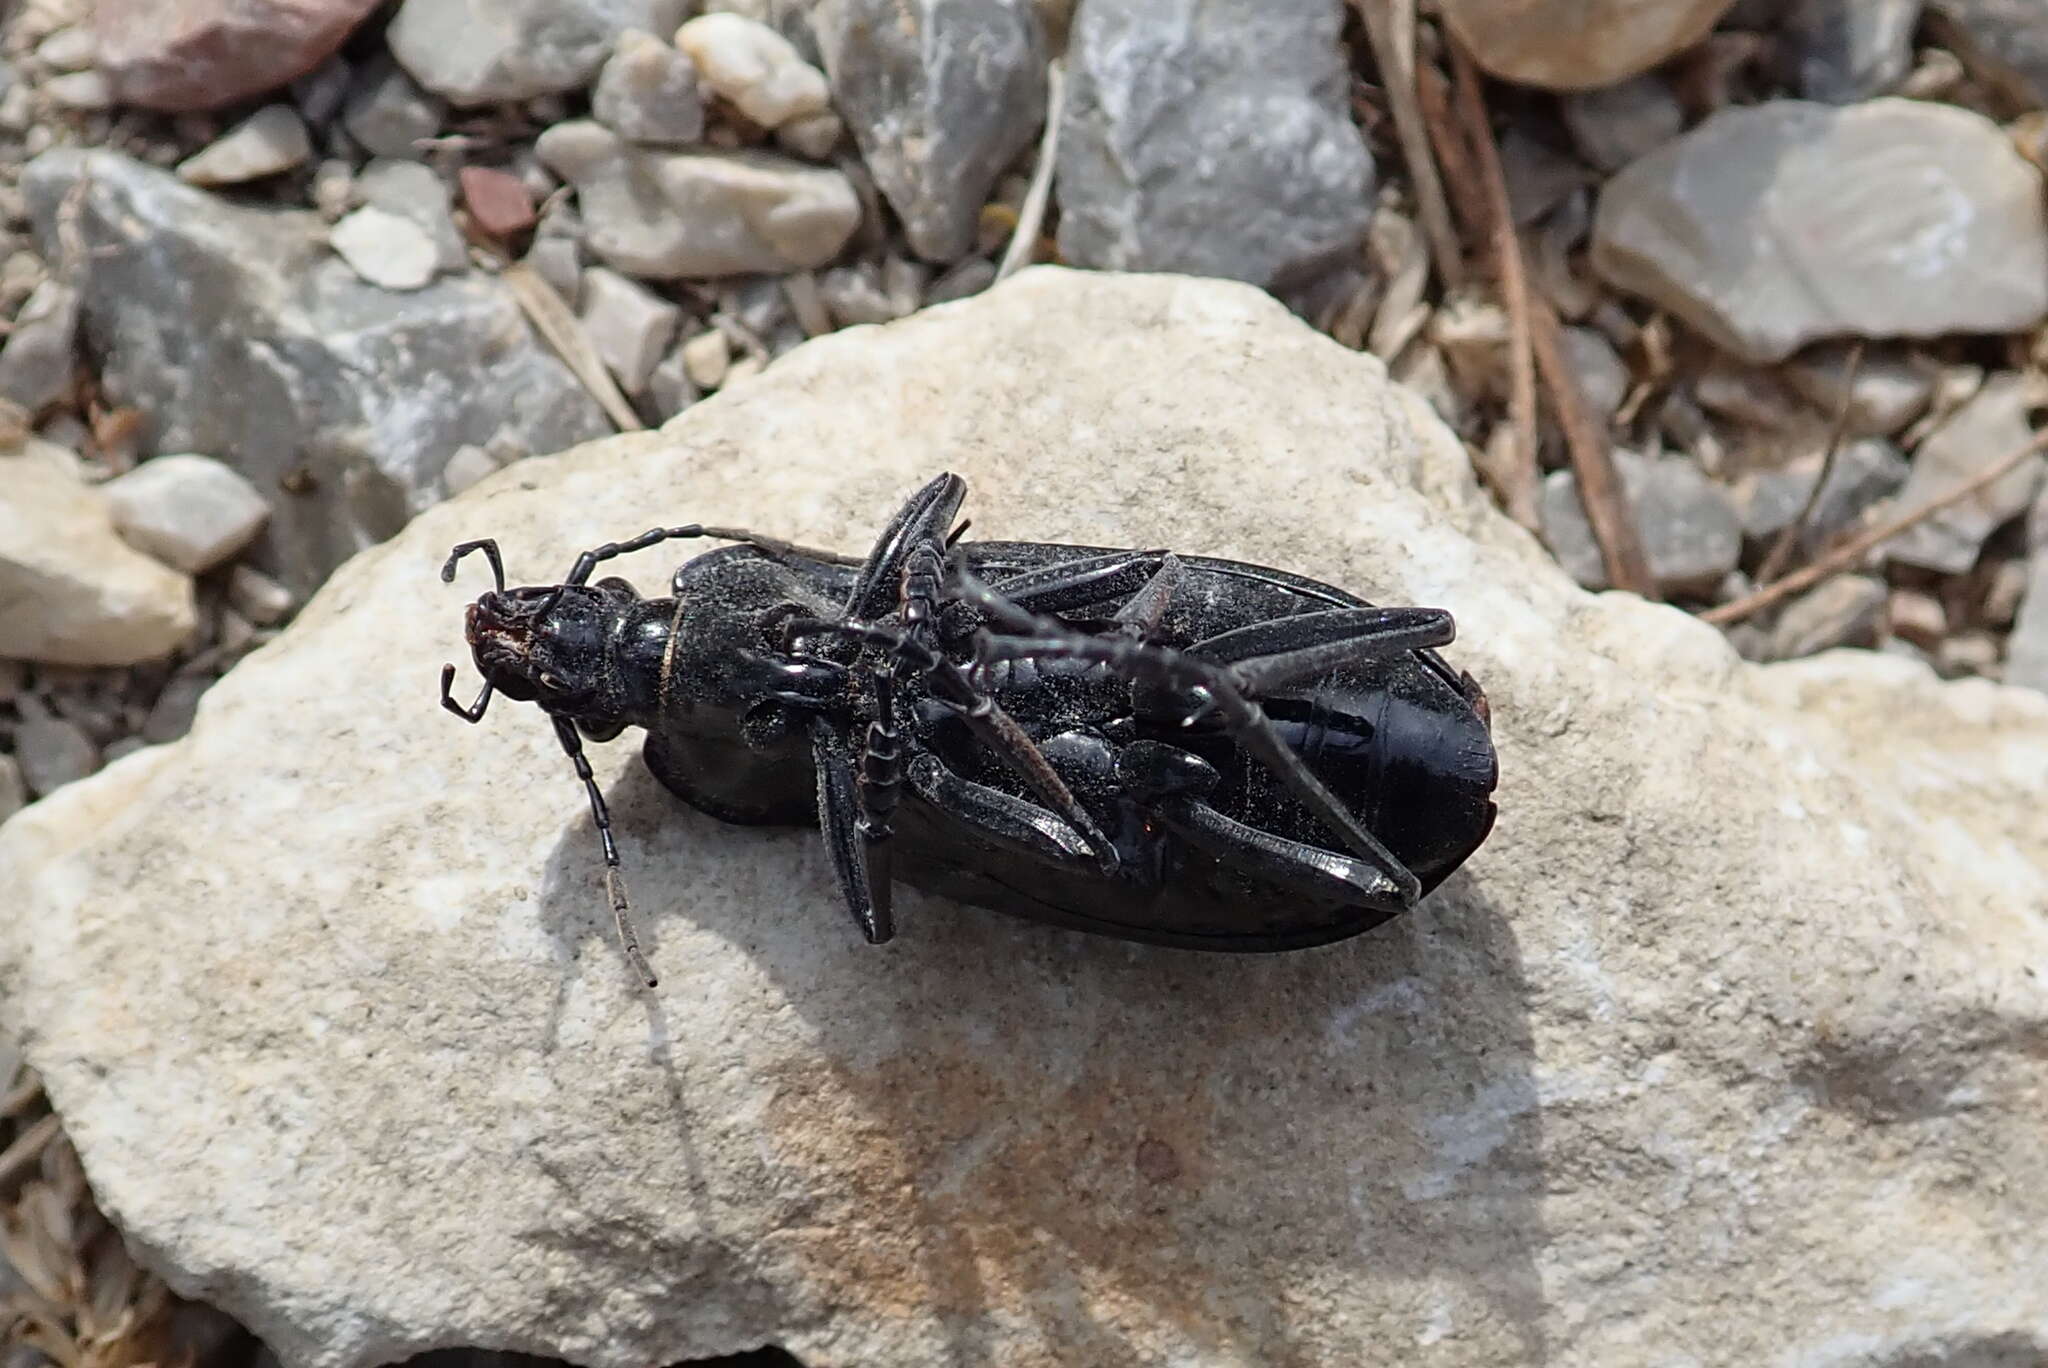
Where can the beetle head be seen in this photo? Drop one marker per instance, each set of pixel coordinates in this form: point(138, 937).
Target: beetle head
point(545, 644)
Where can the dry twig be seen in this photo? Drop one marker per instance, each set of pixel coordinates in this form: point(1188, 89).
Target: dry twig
point(1521, 473)
point(1849, 552)
point(1031, 216)
point(1390, 27)
point(1794, 534)
point(553, 320)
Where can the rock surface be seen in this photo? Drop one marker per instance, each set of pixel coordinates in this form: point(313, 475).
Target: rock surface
point(941, 95)
point(238, 335)
point(1578, 44)
point(71, 591)
point(750, 64)
point(647, 92)
point(1211, 139)
point(1721, 1004)
point(202, 54)
point(189, 511)
point(1770, 226)
point(665, 215)
point(1688, 524)
point(474, 52)
point(1987, 428)
point(271, 140)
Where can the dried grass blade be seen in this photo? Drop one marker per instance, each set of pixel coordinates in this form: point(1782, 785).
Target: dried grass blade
point(553, 319)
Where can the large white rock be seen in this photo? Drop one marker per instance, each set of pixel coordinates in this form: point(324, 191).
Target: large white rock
point(1728, 1048)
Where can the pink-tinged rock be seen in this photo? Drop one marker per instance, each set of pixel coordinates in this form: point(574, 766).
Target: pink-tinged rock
point(498, 200)
point(201, 54)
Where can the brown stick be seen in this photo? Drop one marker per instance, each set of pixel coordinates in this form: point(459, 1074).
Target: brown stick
point(1390, 27)
point(1795, 531)
point(1452, 155)
point(1849, 552)
point(1514, 286)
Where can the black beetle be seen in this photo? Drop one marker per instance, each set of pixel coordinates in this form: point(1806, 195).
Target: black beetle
point(1176, 749)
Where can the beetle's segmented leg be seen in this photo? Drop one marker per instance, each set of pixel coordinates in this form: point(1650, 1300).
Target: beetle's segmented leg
point(474, 713)
point(487, 545)
point(839, 817)
point(1048, 638)
point(1140, 616)
point(1268, 656)
point(880, 784)
point(615, 886)
point(1296, 864)
point(992, 726)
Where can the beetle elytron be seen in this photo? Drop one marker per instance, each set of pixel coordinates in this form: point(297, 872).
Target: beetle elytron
point(1176, 749)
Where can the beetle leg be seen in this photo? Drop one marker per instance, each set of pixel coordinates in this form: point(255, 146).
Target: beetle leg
point(846, 844)
point(1076, 583)
point(614, 884)
point(1243, 720)
point(1294, 864)
point(1001, 816)
point(1140, 616)
point(922, 521)
point(1268, 656)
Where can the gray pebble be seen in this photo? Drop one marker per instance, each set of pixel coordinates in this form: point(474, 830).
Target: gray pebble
point(559, 262)
point(51, 750)
point(629, 324)
point(670, 389)
point(13, 788)
point(190, 512)
point(854, 295)
point(478, 52)
point(1603, 377)
point(125, 746)
point(1916, 617)
point(320, 92)
point(1866, 472)
point(969, 277)
point(271, 140)
point(647, 93)
point(1687, 523)
point(36, 366)
point(1849, 50)
point(1990, 426)
point(258, 597)
point(467, 465)
point(755, 68)
point(170, 717)
point(80, 90)
point(815, 137)
point(388, 113)
point(1615, 125)
point(2026, 650)
point(1889, 391)
point(1842, 611)
point(386, 249)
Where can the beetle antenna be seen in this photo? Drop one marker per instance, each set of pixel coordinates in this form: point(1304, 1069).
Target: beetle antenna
point(487, 545)
point(614, 884)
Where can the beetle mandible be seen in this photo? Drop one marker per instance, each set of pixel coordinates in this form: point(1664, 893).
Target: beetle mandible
point(1175, 749)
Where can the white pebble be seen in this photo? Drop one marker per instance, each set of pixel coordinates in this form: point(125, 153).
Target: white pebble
point(706, 358)
point(629, 325)
point(68, 49)
point(258, 597)
point(754, 67)
point(271, 140)
point(190, 512)
point(80, 90)
point(385, 249)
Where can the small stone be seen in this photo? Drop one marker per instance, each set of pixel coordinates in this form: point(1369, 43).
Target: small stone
point(71, 591)
point(754, 68)
point(1770, 226)
point(1615, 125)
point(2026, 650)
point(1965, 654)
point(478, 52)
point(1843, 611)
point(962, 280)
point(1987, 428)
point(1889, 390)
point(388, 113)
point(1866, 472)
point(1603, 376)
point(745, 368)
point(2002, 594)
point(1177, 108)
point(941, 97)
point(1746, 395)
point(665, 215)
point(72, 48)
point(13, 787)
point(629, 325)
point(1577, 44)
point(814, 137)
point(508, 444)
point(321, 92)
point(1917, 617)
point(706, 357)
point(258, 597)
point(170, 717)
point(2009, 37)
point(190, 512)
point(670, 389)
point(13, 679)
point(1849, 50)
point(38, 361)
point(498, 201)
point(271, 140)
point(385, 249)
point(413, 190)
point(854, 295)
point(467, 465)
point(179, 55)
point(558, 261)
point(1686, 522)
point(52, 751)
point(82, 90)
point(647, 93)
point(334, 188)
point(1539, 179)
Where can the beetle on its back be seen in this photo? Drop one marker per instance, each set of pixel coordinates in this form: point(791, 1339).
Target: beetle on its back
point(1182, 750)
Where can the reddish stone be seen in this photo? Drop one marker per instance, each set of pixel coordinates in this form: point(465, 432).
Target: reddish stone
point(498, 200)
point(183, 55)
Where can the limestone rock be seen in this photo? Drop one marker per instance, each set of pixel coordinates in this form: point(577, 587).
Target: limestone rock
point(755, 68)
point(665, 215)
point(941, 95)
point(647, 92)
point(237, 334)
point(71, 591)
point(1578, 44)
point(1740, 997)
point(189, 511)
point(1212, 140)
point(475, 52)
point(1770, 226)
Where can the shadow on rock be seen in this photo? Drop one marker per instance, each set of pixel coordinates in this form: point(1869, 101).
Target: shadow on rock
point(1103, 1151)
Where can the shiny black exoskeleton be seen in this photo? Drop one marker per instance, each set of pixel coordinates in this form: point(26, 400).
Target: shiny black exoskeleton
point(1175, 749)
